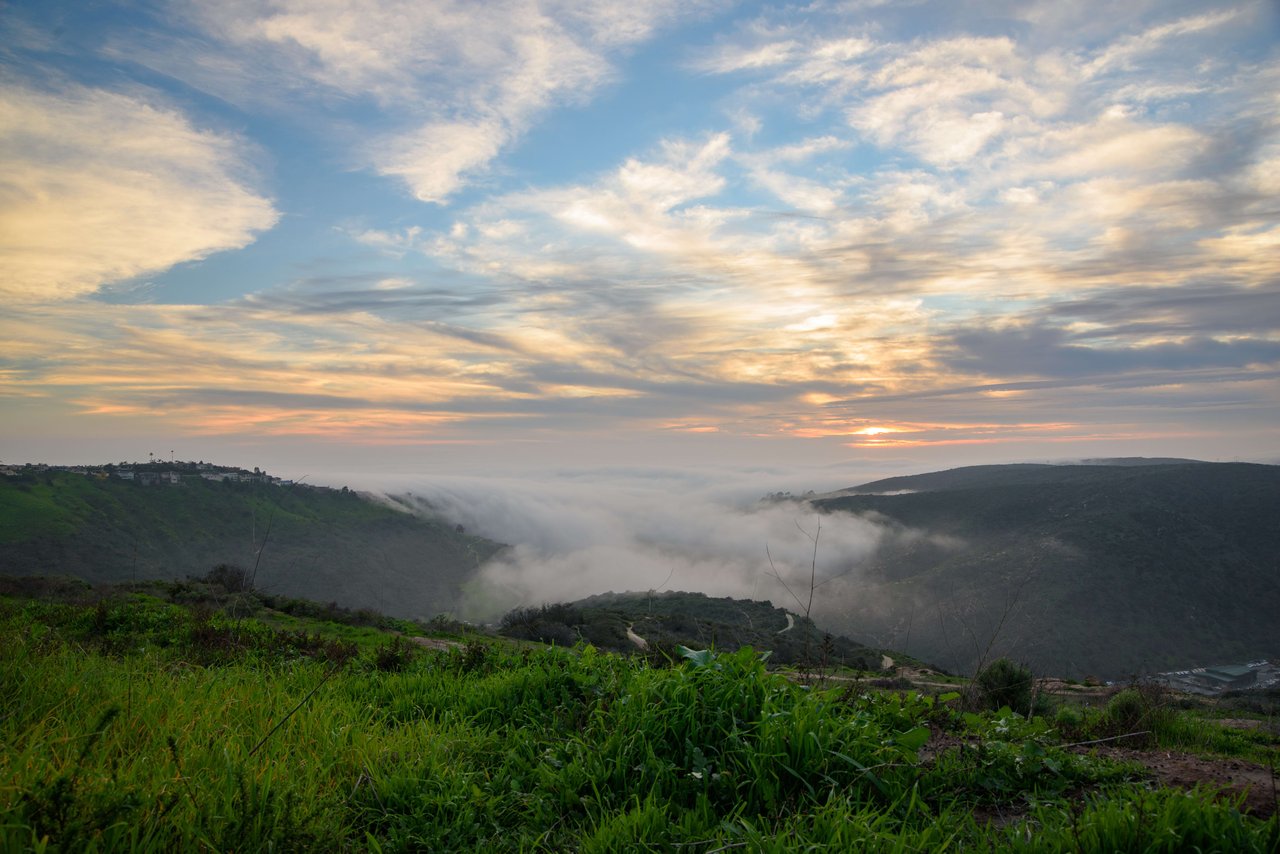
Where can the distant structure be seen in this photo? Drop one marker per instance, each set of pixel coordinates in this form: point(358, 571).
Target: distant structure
point(1212, 681)
point(155, 472)
point(156, 478)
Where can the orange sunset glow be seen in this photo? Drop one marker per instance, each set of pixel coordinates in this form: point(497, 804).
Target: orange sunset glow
point(821, 236)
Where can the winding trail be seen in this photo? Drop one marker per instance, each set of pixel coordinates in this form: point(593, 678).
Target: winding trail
point(791, 623)
point(635, 638)
point(432, 643)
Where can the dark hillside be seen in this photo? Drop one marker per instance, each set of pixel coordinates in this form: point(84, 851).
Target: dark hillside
point(325, 544)
point(1115, 569)
point(694, 620)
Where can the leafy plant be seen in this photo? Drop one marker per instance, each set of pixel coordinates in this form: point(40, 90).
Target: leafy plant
point(1005, 683)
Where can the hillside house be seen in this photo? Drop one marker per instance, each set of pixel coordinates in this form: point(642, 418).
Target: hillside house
point(158, 478)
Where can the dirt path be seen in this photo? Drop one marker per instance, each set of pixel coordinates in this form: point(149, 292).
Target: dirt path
point(791, 624)
point(1234, 776)
point(636, 639)
point(433, 643)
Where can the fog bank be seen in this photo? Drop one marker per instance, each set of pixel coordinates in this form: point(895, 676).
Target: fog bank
point(577, 533)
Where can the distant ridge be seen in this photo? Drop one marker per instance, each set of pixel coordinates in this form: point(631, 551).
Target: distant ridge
point(1134, 461)
point(1108, 570)
point(325, 544)
point(1008, 474)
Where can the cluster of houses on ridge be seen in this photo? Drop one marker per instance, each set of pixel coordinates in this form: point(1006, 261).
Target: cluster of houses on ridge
point(173, 473)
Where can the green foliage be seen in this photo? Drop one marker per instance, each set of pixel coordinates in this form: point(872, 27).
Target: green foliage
point(1077, 544)
point(1069, 720)
point(551, 624)
point(1146, 715)
point(1135, 709)
point(232, 579)
point(1005, 683)
point(393, 656)
point(1134, 819)
point(321, 542)
point(145, 725)
point(674, 618)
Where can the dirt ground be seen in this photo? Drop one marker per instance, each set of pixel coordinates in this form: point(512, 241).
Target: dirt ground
point(1255, 786)
point(1235, 777)
point(433, 643)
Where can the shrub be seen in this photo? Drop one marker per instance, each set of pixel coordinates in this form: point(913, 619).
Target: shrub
point(1004, 683)
point(1137, 708)
point(231, 578)
point(551, 624)
point(1069, 720)
point(393, 656)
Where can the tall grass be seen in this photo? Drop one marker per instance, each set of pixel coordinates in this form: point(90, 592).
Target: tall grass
point(487, 747)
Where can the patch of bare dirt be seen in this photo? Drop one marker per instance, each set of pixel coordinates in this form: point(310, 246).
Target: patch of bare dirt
point(1240, 723)
point(1234, 777)
point(434, 643)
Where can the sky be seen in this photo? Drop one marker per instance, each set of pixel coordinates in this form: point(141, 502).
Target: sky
point(820, 241)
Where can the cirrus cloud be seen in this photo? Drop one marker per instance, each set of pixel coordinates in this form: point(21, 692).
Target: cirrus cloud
point(102, 186)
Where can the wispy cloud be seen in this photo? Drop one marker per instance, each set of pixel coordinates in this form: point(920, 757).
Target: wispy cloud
point(928, 223)
point(100, 186)
point(454, 84)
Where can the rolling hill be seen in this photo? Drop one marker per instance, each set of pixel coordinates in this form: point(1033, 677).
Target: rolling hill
point(318, 543)
point(1110, 570)
point(620, 622)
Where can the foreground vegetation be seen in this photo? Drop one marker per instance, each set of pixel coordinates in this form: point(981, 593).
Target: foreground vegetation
point(137, 722)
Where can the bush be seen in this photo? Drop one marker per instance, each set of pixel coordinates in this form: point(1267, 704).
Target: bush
point(1004, 683)
point(393, 656)
point(550, 624)
point(231, 578)
point(1138, 708)
point(1069, 721)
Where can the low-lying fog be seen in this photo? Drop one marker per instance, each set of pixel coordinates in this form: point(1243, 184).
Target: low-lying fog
point(576, 533)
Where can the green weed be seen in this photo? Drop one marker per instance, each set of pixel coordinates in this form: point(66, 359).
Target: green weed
point(190, 730)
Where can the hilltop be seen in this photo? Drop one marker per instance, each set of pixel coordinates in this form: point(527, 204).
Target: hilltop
point(327, 544)
point(621, 622)
point(1108, 570)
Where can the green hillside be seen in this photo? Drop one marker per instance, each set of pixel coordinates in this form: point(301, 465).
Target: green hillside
point(1076, 569)
point(671, 618)
point(135, 719)
point(326, 544)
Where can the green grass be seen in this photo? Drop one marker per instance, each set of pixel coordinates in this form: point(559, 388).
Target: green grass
point(322, 543)
point(31, 510)
point(141, 724)
point(1149, 709)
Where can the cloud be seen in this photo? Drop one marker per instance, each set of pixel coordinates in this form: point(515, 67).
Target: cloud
point(454, 83)
point(435, 159)
point(1051, 351)
point(578, 533)
point(931, 230)
point(101, 186)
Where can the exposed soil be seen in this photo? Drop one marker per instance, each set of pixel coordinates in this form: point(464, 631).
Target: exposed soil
point(1088, 694)
point(1237, 780)
point(434, 643)
point(1235, 777)
point(1241, 723)
point(636, 639)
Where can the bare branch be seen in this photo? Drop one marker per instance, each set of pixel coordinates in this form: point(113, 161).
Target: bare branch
point(784, 584)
